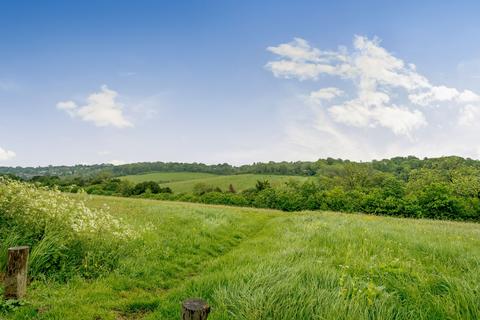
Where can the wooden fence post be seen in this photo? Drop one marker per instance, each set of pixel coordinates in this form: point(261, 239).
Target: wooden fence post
point(16, 277)
point(195, 309)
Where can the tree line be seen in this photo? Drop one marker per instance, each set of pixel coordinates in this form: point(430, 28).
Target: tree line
point(439, 188)
point(399, 166)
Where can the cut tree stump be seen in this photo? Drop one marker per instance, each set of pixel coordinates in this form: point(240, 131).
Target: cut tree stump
point(195, 309)
point(16, 276)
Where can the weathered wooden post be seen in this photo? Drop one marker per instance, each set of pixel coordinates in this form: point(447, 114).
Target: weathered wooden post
point(195, 309)
point(16, 277)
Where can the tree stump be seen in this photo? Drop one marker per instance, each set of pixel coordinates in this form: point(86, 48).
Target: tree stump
point(16, 276)
point(195, 309)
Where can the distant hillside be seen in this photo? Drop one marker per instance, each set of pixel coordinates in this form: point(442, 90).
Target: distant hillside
point(168, 177)
point(184, 182)
point(77, 170)
point(441, 188)
point(399, 166)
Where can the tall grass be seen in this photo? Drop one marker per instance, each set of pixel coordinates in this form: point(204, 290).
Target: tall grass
point(254, 264)
point(66, 237)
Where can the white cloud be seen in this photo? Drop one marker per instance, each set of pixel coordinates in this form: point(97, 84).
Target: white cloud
point(303, 62)
point(374, 66)
point(380, 80)
point(443, 94)
point(398, 119)
point(469, 115)
point(325, 94)
point(6, 154)
point(468, 96)
point(297, 50)
point(371, 105)
point(102, 109)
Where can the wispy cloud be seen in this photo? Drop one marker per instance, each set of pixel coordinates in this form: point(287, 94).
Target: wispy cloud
point(102, 109)
point(378, 77)
point(6, 154)
point(380, 105)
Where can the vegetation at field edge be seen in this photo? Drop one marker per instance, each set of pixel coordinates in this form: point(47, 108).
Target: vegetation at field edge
point(265, 264)
point(446, 188)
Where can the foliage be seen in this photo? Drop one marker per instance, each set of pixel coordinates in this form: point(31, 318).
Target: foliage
point(65, 236)
point(266, 264)
point(149, 187)
point(262, 185)
point(201, 188)
point(440, 188)
point(10, 305)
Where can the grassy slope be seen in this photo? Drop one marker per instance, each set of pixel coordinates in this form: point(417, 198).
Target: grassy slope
point(184, 181)
point(264, 264)
point(164, 177)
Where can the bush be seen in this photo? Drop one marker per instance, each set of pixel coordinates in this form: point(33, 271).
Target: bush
point(336, 199)
point(437, 202)
point(202, 188)
point(64, 235)
point(266, 198)
point(146, 187)
point(223, 198)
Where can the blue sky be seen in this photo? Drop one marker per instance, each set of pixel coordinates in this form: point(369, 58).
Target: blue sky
point(237, 81)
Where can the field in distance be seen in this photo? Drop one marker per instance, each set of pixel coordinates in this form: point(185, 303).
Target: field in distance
point(181, 182)
point(265, 264)
point(168, 177)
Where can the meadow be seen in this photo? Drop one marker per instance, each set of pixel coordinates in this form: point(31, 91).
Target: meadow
point(168, 177)
point(184, 182)
point(266, 264)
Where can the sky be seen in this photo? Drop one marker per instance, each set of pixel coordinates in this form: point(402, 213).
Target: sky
point(111, 81)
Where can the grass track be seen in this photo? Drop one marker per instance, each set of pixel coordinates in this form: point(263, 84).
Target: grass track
point(264, 264)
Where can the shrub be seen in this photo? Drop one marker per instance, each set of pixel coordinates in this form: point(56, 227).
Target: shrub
point(437, 201)
point(65, 236)
point(289, 200)
point(262, 185)
point(336, 199)
point(267, 198)
point(223, 198)
point(202, 188)
point(146, 187)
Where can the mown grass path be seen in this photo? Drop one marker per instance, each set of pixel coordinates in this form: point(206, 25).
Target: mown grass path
point(264, 264)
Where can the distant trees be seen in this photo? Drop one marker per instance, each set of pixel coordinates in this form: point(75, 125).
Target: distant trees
point(149, 187)
point(440, 188)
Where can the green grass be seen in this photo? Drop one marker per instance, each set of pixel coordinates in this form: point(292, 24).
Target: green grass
point(167, 177)
point(183, 182)
point(264, 264)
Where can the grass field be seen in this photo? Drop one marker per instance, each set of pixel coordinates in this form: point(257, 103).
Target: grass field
point(168, 177)
point(185, 181)
point(265, 264)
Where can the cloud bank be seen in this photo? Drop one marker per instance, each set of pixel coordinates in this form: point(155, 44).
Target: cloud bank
point(102, 109)
point(379, 92)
